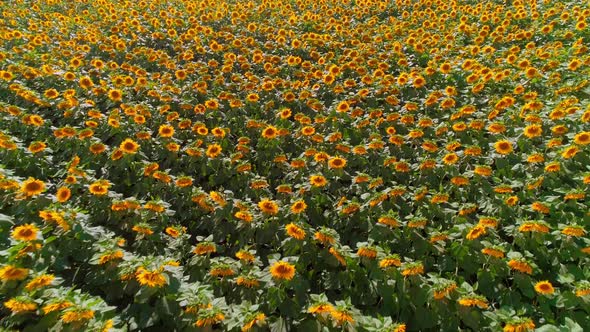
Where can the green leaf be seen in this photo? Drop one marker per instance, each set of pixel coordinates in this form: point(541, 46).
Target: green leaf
point(571, 326)
point(280, 325)
point(548, 328)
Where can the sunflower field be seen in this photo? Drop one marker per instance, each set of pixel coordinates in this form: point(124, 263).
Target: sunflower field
point(291, 165)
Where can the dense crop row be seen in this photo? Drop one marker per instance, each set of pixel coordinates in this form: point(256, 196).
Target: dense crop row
point(366, 165)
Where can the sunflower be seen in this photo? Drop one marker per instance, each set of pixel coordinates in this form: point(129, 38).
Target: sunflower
point(389, 261)
point(443, 290)
point(40, 281)
point(483, 170)
point(535, 158)
point(553, 167)
point(99, 188)
point(295, 231)
point(575, 231)
point(69, 76)
point(63, 194)
point(258, 319)
point(544, 287)
point(26, 232)
point(298, 207)
point(503, 147)
point(19, 306)
point(180, 74)
point(77, 315)
point(150, 278)
point(570, 152)
point(389, 221)
point(318, 181)
point(419, 82)
point(341, 316)
point(32, 187)
point(9, 272)
point(184, 181)
point(410, 269)
point(450, 158)
point(320, 308)
point(285, 113)
point(36, 147)
point(308, 131)
point(282, 270)
point(343, 107)
point(336, 162)
point(212, 104)
point(269, 207)
point(85, 82)
point(205, 248)
point(473, 301)
point(115, 95)
point(213, 151)
point(110, 257)
point(209, 318)
point(269, 132)
point(56, 306)
point(445, 68)
point(367, 252)
point(511, 201)
point(97, 148)
point(246, 256)
point(221, 271)
point(244, 216)
point(519, 325)
point(540, 207)
point(172, 231)
point(582, 138)
point(129, 146)
point(533, 130)
point(476, 232)
point(520, 266)
point(497, 253)
point(117, 154)
point(166, 131)
point(51, 93)
point(248, 282)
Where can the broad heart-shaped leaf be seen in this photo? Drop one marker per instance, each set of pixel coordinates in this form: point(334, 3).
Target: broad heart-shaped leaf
point(418, 295)
point(310, 325)
point(44, 323)
point(166, 307)
point(459, 251)
point(525, 285)
point(572, 326)
point(486, 284)
point(275, 297)
point(144, 315)
point(471, 317)
point(280, 325)
point(548, 328)
point(423, 319)
point(567, 300)
point(144, 294)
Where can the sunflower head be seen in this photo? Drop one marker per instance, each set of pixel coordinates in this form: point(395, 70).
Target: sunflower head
point(282, 270)
point(32, 187)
